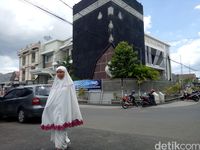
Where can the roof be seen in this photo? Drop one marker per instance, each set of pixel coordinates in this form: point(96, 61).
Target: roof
point(147, 35)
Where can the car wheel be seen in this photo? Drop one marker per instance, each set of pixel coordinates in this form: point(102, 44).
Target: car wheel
point(21, 116)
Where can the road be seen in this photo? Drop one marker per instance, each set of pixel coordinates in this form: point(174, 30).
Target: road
point(112, 128)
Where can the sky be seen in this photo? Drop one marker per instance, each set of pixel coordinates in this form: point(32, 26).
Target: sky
point(176, 22)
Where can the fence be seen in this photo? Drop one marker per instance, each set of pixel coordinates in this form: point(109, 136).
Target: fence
point(128, 85)
point(112, 88)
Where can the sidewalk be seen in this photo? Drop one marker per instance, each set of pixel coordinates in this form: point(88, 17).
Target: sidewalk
point(176, 104)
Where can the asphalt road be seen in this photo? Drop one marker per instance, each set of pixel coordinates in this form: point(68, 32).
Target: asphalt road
point(112, 128)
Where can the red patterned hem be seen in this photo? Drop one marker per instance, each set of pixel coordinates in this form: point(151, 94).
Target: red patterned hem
point(62, 127)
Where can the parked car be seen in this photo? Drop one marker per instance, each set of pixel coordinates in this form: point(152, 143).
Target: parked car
point(24, 102)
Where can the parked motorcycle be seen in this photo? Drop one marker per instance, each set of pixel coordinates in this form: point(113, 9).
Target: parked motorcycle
point(195, 96)
point(129, 100)
point(148, 100)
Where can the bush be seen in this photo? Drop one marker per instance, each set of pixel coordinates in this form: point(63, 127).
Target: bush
point(81, 93)
point(173, 89)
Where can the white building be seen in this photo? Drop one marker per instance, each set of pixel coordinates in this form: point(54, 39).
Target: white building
point(52, 54)
point(157, 56)
point(37, 62)
point(28, 60)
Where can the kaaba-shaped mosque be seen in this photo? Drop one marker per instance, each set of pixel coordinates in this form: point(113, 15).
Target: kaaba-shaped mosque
point(99, 25)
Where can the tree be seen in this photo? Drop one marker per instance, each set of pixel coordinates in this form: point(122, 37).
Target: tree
point(125, 64)
point(143, 73)
point(123, 61)
point(67, 62)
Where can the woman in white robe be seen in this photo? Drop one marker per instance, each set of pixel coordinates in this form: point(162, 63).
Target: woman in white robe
point(62, 110)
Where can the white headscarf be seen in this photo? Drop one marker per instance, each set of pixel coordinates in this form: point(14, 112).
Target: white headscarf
point(62, 109)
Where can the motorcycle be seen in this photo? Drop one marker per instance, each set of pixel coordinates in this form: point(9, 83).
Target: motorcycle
point(148, 100)
point(195, 96)
point(129, 100)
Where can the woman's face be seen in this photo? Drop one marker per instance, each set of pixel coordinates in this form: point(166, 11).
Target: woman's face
point(60, 74)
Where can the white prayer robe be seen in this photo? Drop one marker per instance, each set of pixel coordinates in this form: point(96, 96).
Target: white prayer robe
point(61, 110)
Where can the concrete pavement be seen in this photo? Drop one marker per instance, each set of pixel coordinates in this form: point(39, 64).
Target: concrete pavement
point(112, 128)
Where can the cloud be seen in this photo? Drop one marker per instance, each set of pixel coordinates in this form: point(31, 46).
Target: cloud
point(197, 7)
point(22, 24)
point(8, 64)
point(199, 33)
point(147, 23)
point(189, 53)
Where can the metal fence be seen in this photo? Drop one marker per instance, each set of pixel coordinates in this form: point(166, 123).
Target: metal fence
point(130, 84)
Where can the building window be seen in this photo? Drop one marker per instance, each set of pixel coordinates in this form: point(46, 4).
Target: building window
point(33, 57)
point(23, 75)
point(23, 60)
point(153, 55)
point(48, 58)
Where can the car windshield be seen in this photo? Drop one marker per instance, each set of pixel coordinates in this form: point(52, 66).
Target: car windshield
point(42, 90)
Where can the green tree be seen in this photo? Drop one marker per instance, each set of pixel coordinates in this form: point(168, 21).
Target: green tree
point(67, 62)
point(125, 64)
point(143, 73)
point(123, 61)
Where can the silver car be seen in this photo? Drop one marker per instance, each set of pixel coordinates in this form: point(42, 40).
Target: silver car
point(24, 102)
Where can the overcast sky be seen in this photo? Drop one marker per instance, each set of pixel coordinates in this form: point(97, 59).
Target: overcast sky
point(174, 21)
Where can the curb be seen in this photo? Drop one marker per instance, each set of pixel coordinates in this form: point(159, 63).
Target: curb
point(167, 101)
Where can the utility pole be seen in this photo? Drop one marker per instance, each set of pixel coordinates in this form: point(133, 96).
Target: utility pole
point(189, 69)
point(180, 77)
point(181, 65)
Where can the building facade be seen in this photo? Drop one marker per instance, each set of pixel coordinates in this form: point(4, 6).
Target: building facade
point(28, 60)
point(51, 55)
point(38, 61)
point(7, 81)
point(157, 56)
point(99, 23)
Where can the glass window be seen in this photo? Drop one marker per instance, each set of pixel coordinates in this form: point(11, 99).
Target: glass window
point(42, 90)
point(19, 93)
point(33, 57)
point(11, 94)
point(48, 58)
point(23, 75)
point(24, 60)
point(26, 92)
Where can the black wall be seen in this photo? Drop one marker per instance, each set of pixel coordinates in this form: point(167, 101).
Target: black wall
point(90, 35)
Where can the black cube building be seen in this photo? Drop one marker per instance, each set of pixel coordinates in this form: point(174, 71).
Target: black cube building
point(100, 25)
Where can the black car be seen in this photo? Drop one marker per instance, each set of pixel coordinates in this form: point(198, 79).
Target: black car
point(24, 102)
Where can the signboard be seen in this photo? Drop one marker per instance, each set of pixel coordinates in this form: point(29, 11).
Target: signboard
point(88, 84)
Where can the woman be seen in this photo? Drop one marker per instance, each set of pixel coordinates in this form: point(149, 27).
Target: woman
point(62, 110)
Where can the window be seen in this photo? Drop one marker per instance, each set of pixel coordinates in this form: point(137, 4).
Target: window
point(42, 90)
point(24, 60)
point(18, 93)
point(25, 92)
point(48, 58)
point(23, 75)
point(11, 94)
point(33, 57)
point(153, 54)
